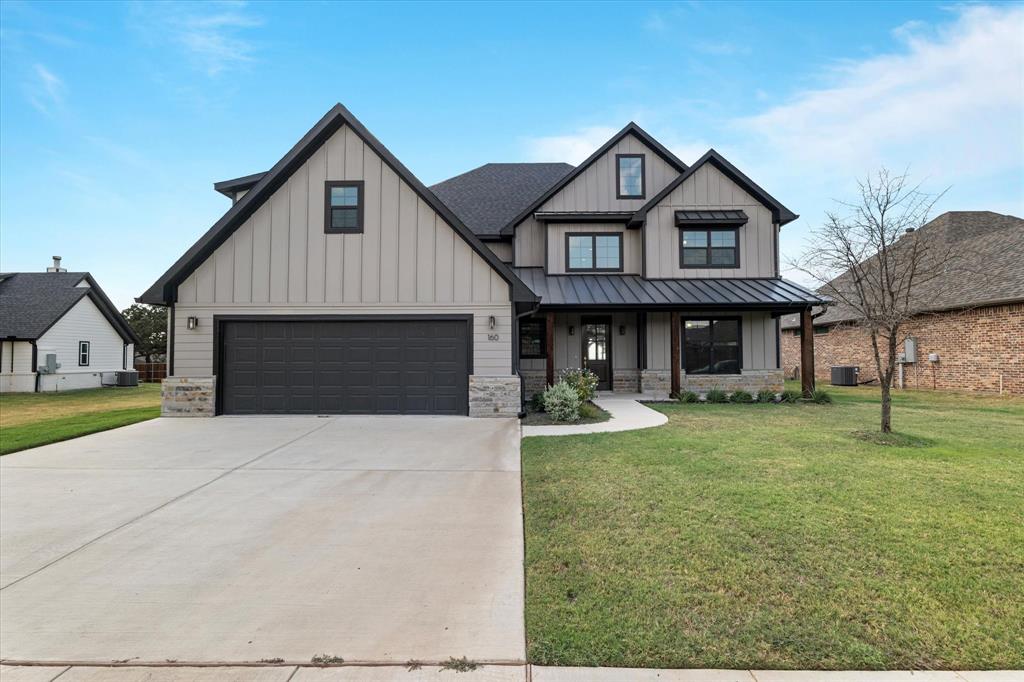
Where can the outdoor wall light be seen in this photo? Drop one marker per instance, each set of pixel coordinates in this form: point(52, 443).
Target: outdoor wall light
point(622, 330)
point(192, 322)
point(490, 322)
point(572, 330)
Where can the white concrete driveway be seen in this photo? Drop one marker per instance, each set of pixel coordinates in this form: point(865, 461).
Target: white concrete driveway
point(249, 538)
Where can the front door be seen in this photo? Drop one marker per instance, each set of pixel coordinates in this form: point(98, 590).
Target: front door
point(597, 350)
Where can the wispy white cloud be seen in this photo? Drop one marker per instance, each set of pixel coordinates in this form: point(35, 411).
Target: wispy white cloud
point(571, 147)
point(45, 90)
point(211, 35)
point(953, 95)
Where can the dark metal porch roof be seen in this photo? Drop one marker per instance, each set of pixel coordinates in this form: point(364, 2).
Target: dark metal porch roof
point(632, 291)
point(711, 217)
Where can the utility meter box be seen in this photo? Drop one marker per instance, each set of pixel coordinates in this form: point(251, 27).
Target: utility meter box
point(910, 349)
point(51, 365)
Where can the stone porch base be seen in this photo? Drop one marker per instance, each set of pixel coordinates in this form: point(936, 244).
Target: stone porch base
point(494, 396)
point(188, 397)
point(751, 380)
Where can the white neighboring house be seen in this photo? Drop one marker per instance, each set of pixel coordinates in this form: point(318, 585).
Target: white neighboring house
point(65, 315)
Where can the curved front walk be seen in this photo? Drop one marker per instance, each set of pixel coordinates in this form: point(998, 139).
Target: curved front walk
point(626, 411)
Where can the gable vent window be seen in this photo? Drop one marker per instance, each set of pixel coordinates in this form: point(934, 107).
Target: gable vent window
point(83, 353)
point(712, 248)
point(343, 206)
point(629, 176)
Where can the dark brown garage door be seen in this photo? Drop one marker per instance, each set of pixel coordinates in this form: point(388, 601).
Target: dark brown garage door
point(361, 366)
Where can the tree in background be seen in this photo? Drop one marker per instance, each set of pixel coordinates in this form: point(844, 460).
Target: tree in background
point(874, 261)
point(150, 325)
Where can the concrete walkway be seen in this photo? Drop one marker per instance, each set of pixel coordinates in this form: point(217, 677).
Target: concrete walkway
point(626, 411)
point(485, 673)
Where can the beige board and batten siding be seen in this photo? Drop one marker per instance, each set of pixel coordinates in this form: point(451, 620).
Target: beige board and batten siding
point(594, 189)
point(408, 260)
point(631, 244)
point(503, 250)
point(709, 188)
point(757, 336)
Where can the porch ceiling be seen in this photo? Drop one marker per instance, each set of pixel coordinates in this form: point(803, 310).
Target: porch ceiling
point(633, 291)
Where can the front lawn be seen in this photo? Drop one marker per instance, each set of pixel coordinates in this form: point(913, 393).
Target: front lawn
point(775, 536)
point(28, 420)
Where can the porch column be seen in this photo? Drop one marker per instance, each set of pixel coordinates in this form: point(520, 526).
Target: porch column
point(675, 355)
point(806, 352)
point(549, 349)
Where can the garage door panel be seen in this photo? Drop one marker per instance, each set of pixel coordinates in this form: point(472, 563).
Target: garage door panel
point(345, 367)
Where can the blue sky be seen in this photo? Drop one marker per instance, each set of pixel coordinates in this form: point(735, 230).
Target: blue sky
point(116, 118)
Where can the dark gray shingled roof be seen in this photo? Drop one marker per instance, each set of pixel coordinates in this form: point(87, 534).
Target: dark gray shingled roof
point(31, 302)
point(633, 291)
point(990, 269)
point(488, 197)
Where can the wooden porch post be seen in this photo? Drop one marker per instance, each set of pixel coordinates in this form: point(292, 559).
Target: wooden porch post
point(806, 352)
point(675, 355)
point(549, 349)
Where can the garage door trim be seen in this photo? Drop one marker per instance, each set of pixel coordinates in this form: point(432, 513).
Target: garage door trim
point(219, 320)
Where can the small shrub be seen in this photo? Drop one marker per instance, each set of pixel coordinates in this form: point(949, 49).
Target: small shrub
point(537, 402)
point(821, 396)
point(562, 403)
point(741, 396)
point(716, 395)
point(688, 397)
point(583, 381)
point(765, 396)
point(790, 396)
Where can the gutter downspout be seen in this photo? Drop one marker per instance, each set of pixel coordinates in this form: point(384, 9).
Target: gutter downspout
point(515, 356)
point(35, 363)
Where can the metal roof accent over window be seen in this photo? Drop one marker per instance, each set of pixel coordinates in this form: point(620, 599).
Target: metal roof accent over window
point(635, 292)
point(686, 218)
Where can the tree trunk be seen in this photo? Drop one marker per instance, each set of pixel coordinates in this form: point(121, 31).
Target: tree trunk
point(886, 408)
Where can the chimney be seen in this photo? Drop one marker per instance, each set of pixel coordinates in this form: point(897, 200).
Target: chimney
point(56, 266)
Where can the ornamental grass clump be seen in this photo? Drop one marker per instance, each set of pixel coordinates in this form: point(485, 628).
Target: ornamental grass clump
point(716, 395)
point(765, 396)
point(821, 396)
point(790, 396)
point(688, 397)
point(562, 403)
point(583, 381)
point(741, 396)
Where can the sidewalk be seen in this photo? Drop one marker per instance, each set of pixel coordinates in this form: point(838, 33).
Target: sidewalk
point(626, 411)
point(485, 673)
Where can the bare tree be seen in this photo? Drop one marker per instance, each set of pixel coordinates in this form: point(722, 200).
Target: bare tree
point(873, 261)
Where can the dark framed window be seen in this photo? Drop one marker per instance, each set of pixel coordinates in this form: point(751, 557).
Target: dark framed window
point(716, 247)
point(533, 334)
point(629, 176)
point(343, 206)
point(593, 252)
point(83, 353)
point(712, 346)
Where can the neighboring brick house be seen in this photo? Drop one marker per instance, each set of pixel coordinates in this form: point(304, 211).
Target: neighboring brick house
point(974, 324)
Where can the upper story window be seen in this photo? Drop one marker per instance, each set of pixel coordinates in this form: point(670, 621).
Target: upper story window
point(710, 248)
point(343, 206)
point(83, 353)
point(595, 252)
point(629, 176)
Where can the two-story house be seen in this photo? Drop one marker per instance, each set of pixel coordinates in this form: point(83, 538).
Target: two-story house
point(338, 283)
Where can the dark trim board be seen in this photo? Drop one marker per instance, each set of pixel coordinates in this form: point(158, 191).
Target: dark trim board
point(220, 320)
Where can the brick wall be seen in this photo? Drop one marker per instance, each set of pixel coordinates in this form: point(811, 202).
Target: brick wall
point(976, 347)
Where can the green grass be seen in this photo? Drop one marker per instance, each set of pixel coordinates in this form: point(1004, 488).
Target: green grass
point(779, 536)
point(28, 420)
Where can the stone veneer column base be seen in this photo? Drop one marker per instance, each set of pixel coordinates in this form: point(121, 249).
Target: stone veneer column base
point(494, 396)
point(750, 380)
point(656, 382)
point(626, 380)
point(188, 397)
point(536, 381)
